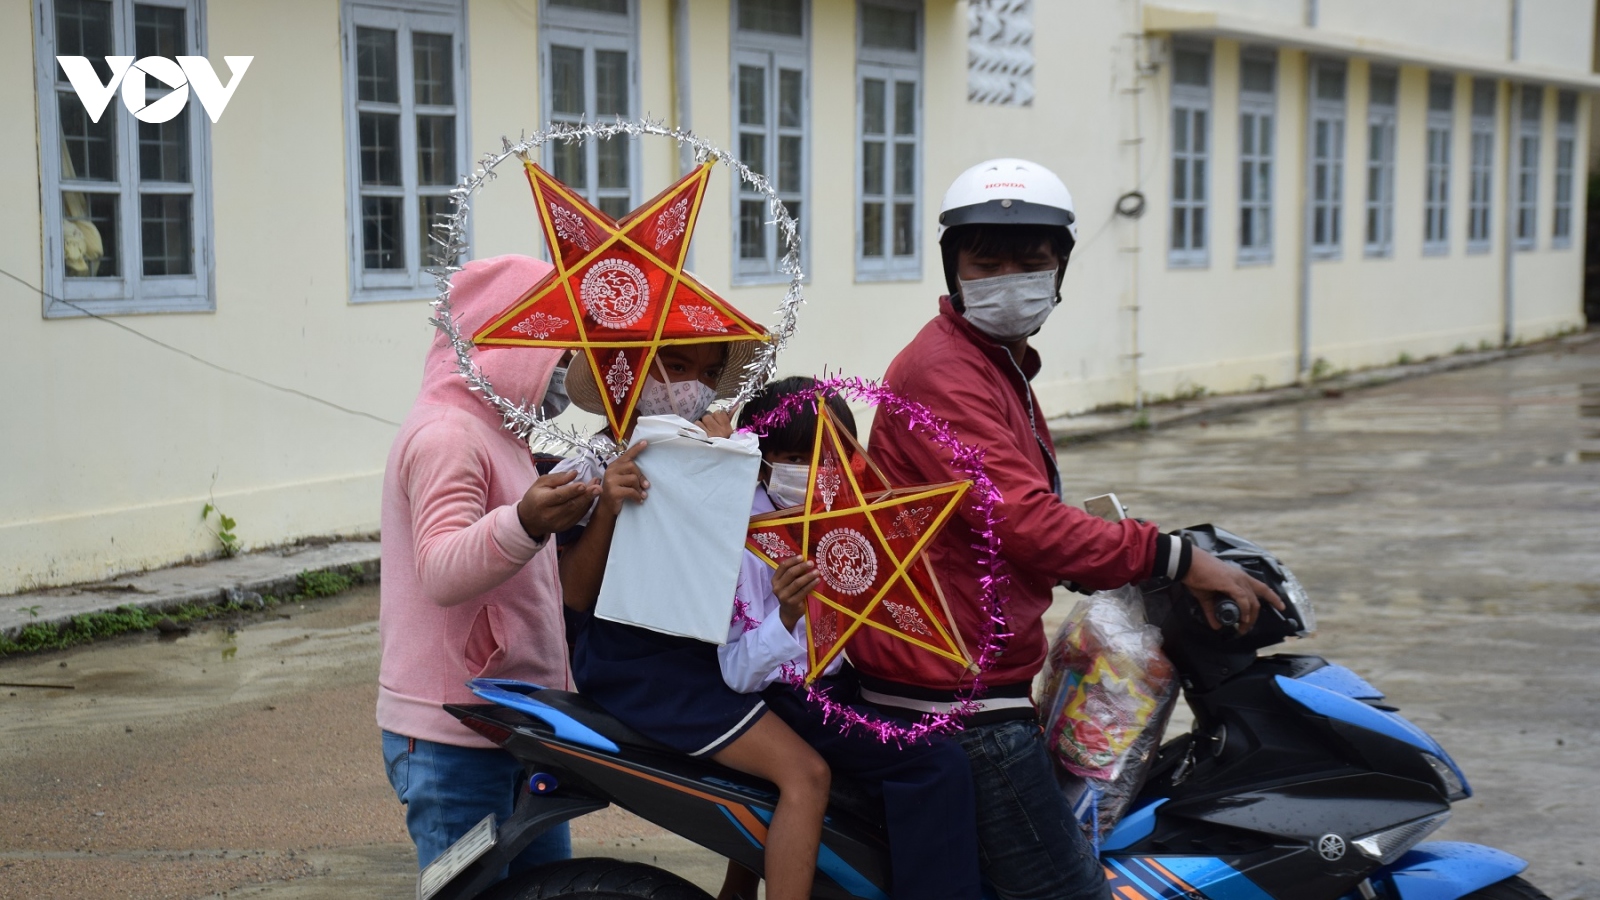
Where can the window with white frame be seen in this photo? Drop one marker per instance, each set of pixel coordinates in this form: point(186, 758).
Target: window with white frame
point(405, 108)
point(1566, 148)
point(1257, 113)
point(1326, 172)
point(1480, 197)
point(1383, 89)
point(1436, 190)
point(126, 203)
point(1530, 111)
point(1191, 154)
point(587, 47)
point(770, 111)
point(889, 121)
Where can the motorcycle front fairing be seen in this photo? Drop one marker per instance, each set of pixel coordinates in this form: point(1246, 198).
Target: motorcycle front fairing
point(1296, 783)
point(1448, 870)
point(1437, 870)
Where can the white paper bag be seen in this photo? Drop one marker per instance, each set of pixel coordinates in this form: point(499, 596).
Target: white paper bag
point(675, 557)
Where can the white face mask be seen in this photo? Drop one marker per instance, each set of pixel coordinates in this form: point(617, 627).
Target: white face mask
point(787, 484)
point(688, 399)
point(555, 395)
point(1010, 307)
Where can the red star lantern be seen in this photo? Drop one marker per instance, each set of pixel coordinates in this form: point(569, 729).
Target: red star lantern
point(619, 291)
point(866, 538)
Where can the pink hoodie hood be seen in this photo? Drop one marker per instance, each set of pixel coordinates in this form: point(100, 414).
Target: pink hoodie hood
point(482, 290)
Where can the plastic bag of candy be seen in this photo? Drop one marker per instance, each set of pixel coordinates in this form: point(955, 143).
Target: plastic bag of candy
point(1098, 805)
point(1105, 681)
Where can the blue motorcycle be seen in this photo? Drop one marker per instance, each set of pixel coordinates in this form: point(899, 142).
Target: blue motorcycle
point(1296, 781)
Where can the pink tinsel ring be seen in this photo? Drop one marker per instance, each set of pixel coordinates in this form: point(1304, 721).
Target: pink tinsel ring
point(984, 499)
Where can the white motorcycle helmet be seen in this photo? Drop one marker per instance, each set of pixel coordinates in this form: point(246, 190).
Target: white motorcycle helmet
point(1005, 192)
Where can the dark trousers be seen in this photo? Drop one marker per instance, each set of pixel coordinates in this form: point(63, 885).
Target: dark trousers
point(927, 794)
point(1032, 848)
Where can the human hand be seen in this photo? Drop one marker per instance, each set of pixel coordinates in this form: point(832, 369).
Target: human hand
point(717, 424)
point(624, 481)
point(794, 579)
point(1212, 580)
point(554, 503)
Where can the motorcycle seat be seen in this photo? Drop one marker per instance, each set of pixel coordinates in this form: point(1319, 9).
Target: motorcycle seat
point(591, 714)
point(847, 795)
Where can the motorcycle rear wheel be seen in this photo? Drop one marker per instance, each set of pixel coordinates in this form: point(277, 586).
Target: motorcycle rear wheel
point(597, 878)
point(1513, 888)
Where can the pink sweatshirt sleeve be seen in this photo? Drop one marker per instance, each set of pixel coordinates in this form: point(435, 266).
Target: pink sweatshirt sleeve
point(461, 549)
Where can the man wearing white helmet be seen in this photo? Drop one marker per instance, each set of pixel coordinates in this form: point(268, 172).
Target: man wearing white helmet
point(1006, 229)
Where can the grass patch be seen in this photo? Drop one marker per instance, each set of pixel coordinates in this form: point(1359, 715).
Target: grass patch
point(322, 584)
point(125, 619)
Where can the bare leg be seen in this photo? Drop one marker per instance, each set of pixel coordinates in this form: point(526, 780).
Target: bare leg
point(771, 750)
point(739, 884)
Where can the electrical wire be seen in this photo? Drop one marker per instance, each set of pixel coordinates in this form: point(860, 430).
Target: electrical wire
point(202, 361)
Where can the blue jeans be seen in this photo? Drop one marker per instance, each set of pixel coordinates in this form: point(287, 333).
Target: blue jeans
point(1029, 844)
point(448, 789)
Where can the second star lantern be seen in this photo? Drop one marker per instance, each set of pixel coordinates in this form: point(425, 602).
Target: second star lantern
point(866, 538)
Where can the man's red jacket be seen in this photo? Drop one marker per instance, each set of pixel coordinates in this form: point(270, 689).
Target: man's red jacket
point(972, 382)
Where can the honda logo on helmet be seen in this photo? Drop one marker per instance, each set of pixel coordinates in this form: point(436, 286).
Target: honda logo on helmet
point(180, 74)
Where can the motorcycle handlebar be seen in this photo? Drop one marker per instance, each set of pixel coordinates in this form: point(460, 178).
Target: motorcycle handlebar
point(1227, 612)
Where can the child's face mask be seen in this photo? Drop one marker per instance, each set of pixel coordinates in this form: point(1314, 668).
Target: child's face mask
point(787, 484)
point(688, 399)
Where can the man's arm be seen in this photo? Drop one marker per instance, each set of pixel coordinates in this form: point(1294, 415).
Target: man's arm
point(1056, 540)
point(1037, 531)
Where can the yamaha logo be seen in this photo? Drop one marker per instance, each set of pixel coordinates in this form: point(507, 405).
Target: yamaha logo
point(1331, 847)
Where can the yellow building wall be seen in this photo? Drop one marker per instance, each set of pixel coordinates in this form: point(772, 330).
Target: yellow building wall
point(1369, 309)
point(115, 444)
point(1545, 279)
point(1557, 33)
point(1228, 326)
point(1466, 27)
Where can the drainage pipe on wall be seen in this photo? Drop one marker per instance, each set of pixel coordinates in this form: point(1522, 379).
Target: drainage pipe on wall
point(1141, 74)
point(1508, 301)
point(1508, 237)
point(1303, 338)
point(680, 93)
point(680, 79)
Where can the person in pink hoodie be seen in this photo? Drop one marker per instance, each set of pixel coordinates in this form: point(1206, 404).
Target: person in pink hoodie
point(470, 587)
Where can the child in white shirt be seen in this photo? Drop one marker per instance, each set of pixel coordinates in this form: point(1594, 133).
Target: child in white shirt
point(926, 786)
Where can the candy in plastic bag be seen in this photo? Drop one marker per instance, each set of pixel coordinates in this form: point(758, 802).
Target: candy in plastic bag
point(1105, 680)
point(1099, 805)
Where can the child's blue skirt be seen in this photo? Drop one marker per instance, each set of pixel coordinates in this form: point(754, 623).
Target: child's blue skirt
point(668, 688)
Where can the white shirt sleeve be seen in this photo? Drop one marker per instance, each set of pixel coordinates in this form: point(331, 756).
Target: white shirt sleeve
point(754, 658)
point(588, 470)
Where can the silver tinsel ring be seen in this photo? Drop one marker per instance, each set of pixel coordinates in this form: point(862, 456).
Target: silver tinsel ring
point(450, 239)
